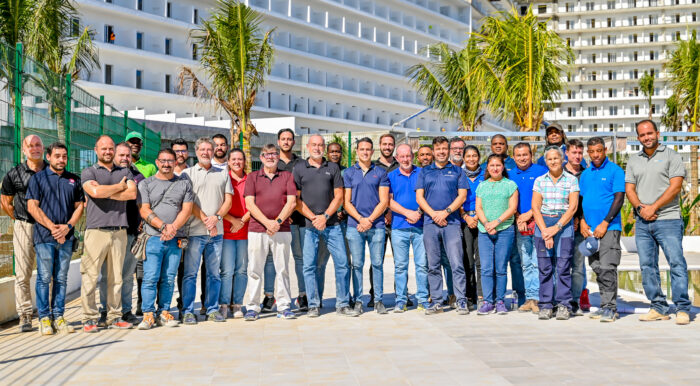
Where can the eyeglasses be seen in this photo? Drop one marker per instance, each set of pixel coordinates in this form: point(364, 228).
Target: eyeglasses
point(270, 155)
point(166, 161)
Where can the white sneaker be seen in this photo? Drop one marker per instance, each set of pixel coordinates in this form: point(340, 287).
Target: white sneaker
point(237, 311)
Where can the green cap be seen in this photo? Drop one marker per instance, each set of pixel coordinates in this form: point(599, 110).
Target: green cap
point(134, 134)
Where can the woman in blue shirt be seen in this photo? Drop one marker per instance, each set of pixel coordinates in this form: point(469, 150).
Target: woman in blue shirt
point(469, 228)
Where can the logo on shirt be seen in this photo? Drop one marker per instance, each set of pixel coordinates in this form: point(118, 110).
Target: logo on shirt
point(71, 181)
point(603, 179)
point(328, 173)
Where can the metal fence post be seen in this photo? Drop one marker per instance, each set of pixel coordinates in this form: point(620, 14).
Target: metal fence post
point(349, 148)
point(18, 104)
point(69, 95)
point(102, 115)
point(126, 123)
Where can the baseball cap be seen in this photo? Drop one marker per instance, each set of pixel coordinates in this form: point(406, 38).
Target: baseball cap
point(589, 246)
point(134, 134)
point(554, 126)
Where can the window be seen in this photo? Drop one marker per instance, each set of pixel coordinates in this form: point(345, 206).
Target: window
point(635, 74)
point(569, 7)
point(593, 75)
point(593, 58)
point(610, 22)
point(592, 40)
point(542, 8)
point(678, 18)
point(139, 78)
point(593, 127)
point(653, 109)
point(611, 127)
point(611, 39)
point(108, 74)
point(612, 110)
point(651, 37)
point(611, 57)
point(632, 3)
point(169, 9)
point(75, 26)
point(568, 42)
point(635, 56)
point(590, 5)
point(592, 111)
point(651, 55)
point(612, 75)
point(591, 23)
point(568, 24)
point(678, 35)
point(636, 91)
point(110, 1)
point(168, 46)
point(195, 16)
point(612, 93)
point(634, 38)
point(139, 5)
point(635, 109)
point(110, 37)
point(694, 17)
point(571, 112)
point(653, 20)
point(593, 94)
point(652, 73)
point(139, 40)
point(570, 127)
point(167, 83)
point(194, 52)
point(634, 20)
point(611, 5)
point(569, 94)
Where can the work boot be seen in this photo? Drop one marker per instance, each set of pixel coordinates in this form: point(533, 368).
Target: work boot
point(682, 318)
point(653, 316)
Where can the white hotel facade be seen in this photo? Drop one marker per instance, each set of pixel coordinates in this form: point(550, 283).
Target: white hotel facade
point(615, 42)
point(339, 64)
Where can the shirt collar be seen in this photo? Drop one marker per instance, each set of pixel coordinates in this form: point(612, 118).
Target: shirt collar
point(605, 162)
point(261, 173)
point(414, 169)
point(324, 163)
point(447, 165)
point(518, 170)
point(563, 176)
point(357, 165)
point(659, 149)
point(393, 163)
point(230, 174)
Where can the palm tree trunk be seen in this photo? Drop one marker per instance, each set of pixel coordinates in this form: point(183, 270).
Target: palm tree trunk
point(695, 212)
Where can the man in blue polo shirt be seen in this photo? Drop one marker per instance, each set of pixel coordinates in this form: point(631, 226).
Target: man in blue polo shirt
point(499, 145)
point(55, 201)
point(441, 189)
point(603, 192)
point(407, 229)
point(366, 199)
point(524, 175)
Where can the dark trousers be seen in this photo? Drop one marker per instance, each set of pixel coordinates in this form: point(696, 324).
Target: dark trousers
point(450, 237)
point(556, 258)
point(472, 264)
point(604, 263)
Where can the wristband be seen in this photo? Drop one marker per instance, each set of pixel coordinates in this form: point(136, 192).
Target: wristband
point(498, 220)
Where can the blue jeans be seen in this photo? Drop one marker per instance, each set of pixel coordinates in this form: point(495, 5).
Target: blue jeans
point(159, 271)
point(516, 271)
point(667, 234)
point(450, 237)
point(333, 236)
point(374, 237)
point(297, 253)
point(445, 262)
point(128, 270)
point(401, 240)
point(234, 271)
point(528, 257)
point(578, 269)
point(211, 248)
point(52, 262)
point(494, 253)
point(557, 258)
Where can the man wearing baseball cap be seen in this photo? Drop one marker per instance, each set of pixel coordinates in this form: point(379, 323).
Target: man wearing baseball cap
point(135, 140)
point(556, 137)
point(603, 193)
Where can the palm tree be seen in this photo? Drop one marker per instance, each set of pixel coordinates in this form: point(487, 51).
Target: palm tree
point(646, 85)
point(236, 56)
point(15, 18)
point(672, 118)
point(684, 71)
point(520, 65)
point(447, 86)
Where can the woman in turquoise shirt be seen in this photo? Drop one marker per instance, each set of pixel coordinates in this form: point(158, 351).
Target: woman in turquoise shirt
point(496, 203)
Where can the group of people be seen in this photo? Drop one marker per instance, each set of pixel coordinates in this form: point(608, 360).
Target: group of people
point(465, 222)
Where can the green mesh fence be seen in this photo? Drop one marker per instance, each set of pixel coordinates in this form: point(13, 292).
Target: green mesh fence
point(34, 100)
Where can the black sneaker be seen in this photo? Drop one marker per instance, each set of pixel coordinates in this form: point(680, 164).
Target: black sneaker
point(409, 303)
point(576, 310)
point(139, 312)
point(563, 313)
point(545, 314)
point(131, 318)
point(303, 303)
point(313, 312)
point(609, 316)
point(379, 306)
point(267, 304)
point(358, 308)
point(346, 311)
point(102, 322)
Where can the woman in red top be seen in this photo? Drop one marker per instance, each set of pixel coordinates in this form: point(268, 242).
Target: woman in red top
point(234, 254)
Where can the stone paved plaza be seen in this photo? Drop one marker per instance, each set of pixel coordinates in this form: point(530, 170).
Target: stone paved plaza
point(408, 348)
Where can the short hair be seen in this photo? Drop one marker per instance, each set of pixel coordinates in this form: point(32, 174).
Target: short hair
point(220, 136)
point(455, 140)
point(575, 143)
point(636, 125)
point(236, 150)
point(334, 144)
point(285, 130)
point(269, 147)
point(389, 135)
point(166, 151)
point(522, 144)
point(440, 140)
point(364, 139)
point(55, 146)
point(180, 142)
point(499, 136)
point(595, 141)
point(474, 149)
point(123, 144)
point(202, 140)
point(316, 135)
point(425, 146)
point(555, 148)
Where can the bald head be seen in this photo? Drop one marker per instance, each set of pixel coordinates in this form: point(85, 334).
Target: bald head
point(104, 148)
point(33, 148)
point(404, 155)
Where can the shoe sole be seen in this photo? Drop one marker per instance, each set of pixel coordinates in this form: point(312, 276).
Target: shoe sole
point(655, 320)
point(608, 320)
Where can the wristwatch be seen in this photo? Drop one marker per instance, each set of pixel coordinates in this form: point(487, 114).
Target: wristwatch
point(70, 226)
point(639, 208)
point(326, 216)
point(161, 227)
point(219, 217)
point(498, 220)
point(279, 220)
point(559, 225)
point(448, 210)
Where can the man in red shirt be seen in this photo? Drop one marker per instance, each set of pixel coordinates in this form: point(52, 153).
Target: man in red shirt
point(234, 255)
point(270, 196)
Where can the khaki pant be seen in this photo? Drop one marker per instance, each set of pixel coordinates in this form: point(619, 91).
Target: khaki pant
point(23, 244)
point(259, 244)
point(109, 247)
